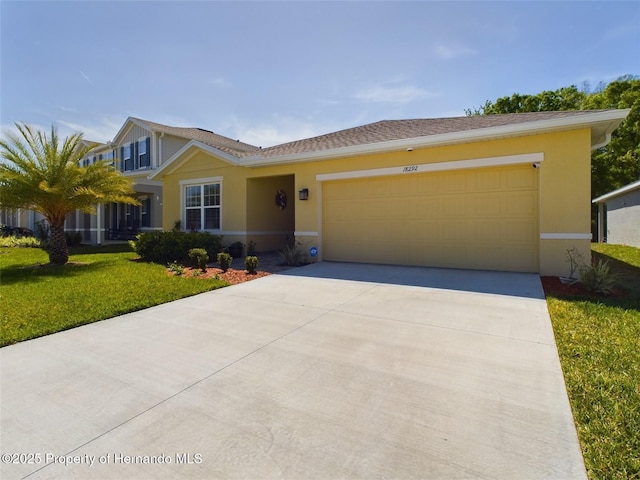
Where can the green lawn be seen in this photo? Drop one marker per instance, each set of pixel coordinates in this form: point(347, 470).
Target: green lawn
point(598, 337)
point(104, 282)
point(599, 344)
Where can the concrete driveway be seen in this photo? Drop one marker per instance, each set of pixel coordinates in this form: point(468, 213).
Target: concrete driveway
point(326, 371)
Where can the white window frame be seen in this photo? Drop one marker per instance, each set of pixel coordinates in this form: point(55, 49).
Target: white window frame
point(199, 182)
point(142, 142)
point(129, 147)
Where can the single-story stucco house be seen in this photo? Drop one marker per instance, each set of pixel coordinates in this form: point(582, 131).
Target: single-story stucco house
point(500, 192)
point(619, 215)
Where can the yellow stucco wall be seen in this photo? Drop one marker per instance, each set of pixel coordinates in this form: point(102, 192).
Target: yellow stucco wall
point(564, 185)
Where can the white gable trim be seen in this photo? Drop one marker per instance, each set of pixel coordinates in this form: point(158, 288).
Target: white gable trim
point(176, 161)
point(436, 167)
point(615, 193)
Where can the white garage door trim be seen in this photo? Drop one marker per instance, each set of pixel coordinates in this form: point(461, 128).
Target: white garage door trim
point(532, 158)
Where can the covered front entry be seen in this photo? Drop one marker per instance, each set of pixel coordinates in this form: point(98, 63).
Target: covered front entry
point(270, 222)
point(481, 218)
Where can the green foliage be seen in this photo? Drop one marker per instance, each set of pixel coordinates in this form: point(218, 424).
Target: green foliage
point(98, 283)
point(224, 261)
point(293, 255)
point(44, 174)
point(42, 230)
point(73, 239)
point(163, 247)
point(199, 258)
point(598, 277)
point(19, 242)
point(251, 264)
point(566, 98)
point(617, 164)
point(175, 268)
point(251, 248)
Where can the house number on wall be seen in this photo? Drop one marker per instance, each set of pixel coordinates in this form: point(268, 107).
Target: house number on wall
point(410, 168)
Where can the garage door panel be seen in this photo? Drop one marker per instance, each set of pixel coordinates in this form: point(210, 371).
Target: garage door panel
point(483, 218)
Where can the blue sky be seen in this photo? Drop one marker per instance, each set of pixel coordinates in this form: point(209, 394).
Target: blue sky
point(270, 72)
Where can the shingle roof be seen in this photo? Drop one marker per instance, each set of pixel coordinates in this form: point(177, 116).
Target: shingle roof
point(226, 144)
point(387, 130)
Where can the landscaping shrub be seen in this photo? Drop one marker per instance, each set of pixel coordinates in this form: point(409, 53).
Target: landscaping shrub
point(73, 239)
point(251, 264)
point(164, 247)
point(598, 277)
point(199, 258)
point(293, 255)
point(22, 242)
point(224, 260)
point(175, 268)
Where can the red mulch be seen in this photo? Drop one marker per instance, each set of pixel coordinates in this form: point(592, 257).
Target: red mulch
point(553, 286)
point(232, 276)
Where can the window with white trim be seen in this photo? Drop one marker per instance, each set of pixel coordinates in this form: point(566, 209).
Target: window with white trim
point(202, 206)
point(144, 159)
point(127, 157)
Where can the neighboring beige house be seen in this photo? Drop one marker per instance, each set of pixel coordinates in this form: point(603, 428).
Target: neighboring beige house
point(500, 192)
point(139, 148)
point(619, 215)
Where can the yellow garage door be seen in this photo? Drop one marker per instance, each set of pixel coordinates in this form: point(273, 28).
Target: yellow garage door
point(485, 218)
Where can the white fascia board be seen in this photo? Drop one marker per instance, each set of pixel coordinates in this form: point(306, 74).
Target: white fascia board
point(525, 158)
point(528, 128)
point(615, 193)
point(175, 161)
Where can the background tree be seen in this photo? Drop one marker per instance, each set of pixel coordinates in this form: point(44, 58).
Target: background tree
point(44, 175)
point(613, 166)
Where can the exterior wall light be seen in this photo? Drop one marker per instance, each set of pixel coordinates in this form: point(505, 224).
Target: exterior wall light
point(303, 194)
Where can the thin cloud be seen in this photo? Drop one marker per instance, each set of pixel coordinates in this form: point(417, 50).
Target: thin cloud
point(220, 82)
point(86, 78)
point(400, 94)
point(450, 52)
point(103, 130)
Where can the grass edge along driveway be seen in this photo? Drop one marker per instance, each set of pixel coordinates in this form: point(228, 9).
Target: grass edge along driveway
point(598, 342)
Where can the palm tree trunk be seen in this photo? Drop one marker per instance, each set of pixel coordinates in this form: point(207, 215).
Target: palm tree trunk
point(58, 250)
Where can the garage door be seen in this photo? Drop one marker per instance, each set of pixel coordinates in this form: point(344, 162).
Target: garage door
point(485, 218)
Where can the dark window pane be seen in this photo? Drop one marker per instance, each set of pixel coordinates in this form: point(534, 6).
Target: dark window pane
point(193, 219)
point(212, 218)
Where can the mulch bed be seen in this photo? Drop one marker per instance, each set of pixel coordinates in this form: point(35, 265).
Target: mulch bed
point(554, 287)
point(232, 276)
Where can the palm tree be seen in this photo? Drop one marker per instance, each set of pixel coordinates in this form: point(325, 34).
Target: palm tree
point(40, 174)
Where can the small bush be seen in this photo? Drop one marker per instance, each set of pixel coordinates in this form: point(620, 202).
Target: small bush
point(19, 242)
point(293, 255)
point(598, 278)
point(224, 260)
point(199, 258)
point(73, 239)
point(42, 230)
point(175, 268)
point(251, 264)
point(164, 247)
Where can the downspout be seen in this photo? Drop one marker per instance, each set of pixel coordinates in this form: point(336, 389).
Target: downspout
point(601, 223)
point(607, 139)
